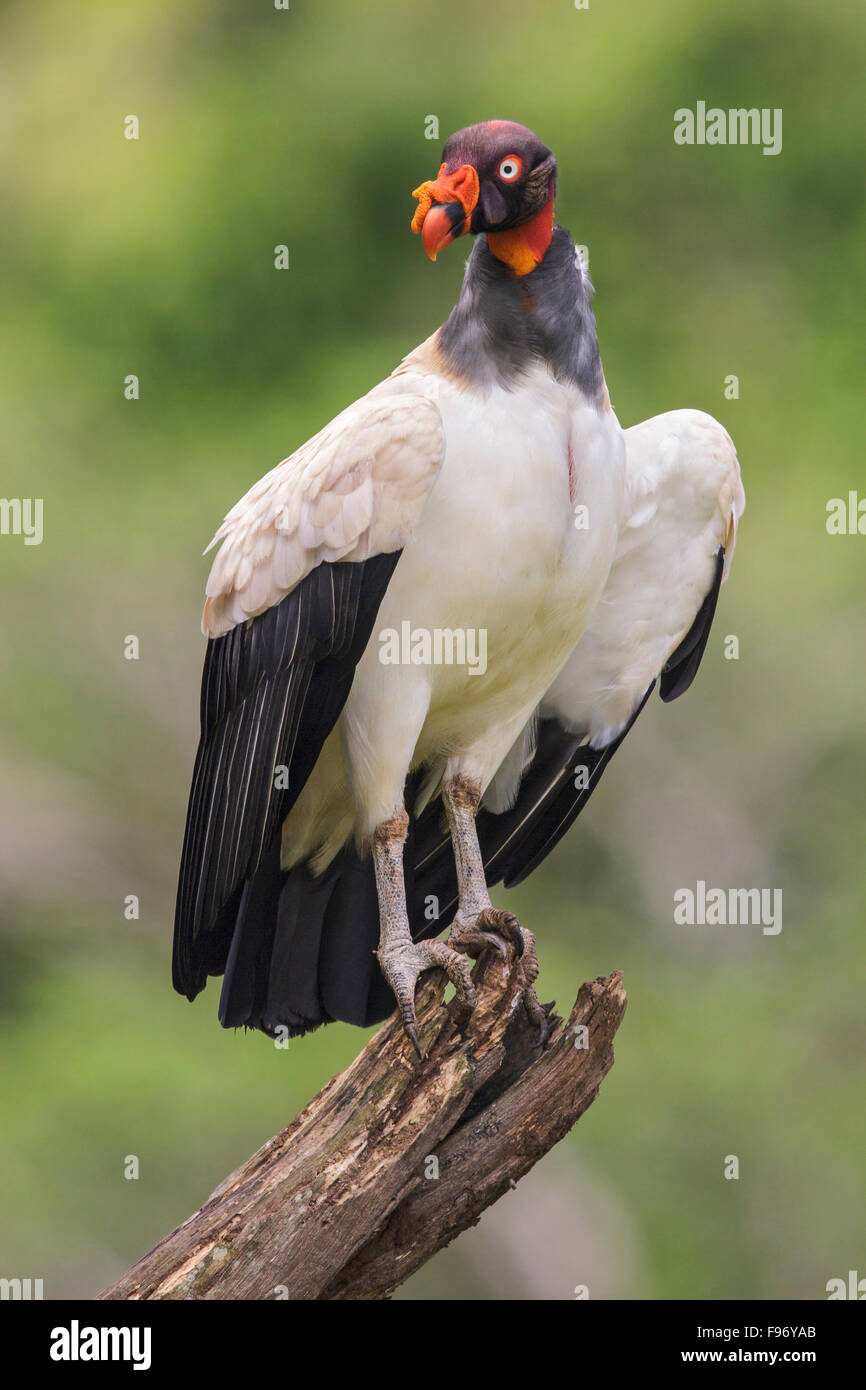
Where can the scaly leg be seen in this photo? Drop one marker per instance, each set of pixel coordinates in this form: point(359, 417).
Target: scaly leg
point(477, 923)
point(401, 959)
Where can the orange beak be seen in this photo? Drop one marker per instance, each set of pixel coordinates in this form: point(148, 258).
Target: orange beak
point(445, 207)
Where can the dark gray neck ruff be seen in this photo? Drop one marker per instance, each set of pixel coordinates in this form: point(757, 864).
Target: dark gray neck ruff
point(503, 324)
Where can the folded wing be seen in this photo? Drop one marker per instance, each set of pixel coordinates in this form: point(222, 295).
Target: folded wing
point(293, 594)
point(684, 500)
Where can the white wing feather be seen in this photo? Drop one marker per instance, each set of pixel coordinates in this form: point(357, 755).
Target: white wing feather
point(684, 499)
point(356, 489)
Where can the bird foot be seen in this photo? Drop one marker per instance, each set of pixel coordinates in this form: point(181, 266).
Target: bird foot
point(535, 1011)
point(489, 929)
point(403, 961)
point(497, 930)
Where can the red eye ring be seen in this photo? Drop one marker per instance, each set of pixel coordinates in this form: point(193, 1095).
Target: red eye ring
point(510, 168)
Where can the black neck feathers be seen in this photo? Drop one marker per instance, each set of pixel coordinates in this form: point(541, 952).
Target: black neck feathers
point(503, 324)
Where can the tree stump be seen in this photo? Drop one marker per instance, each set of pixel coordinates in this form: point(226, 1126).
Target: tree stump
point(395, 1156)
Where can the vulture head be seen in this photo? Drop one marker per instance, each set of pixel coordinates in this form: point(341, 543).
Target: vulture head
point(496, 178)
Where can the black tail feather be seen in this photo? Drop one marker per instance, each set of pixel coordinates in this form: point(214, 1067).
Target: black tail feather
point(347, 965)
point(246, 970)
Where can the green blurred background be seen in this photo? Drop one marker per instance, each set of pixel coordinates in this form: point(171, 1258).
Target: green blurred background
point(155, 257)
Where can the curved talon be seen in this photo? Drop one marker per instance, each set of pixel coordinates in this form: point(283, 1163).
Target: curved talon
point(507, 926)
point(404, 961)
point(530, 955)
point(491, 927)
point(537, 1014)
point(412, 1034)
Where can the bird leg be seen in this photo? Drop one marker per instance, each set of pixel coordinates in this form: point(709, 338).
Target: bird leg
point(477, 923)
point(401, 959)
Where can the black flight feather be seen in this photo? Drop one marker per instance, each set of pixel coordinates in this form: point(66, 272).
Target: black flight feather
point(272, 690)
point(681, 667)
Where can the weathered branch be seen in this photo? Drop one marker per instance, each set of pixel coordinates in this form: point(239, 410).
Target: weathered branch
point(345, 1203)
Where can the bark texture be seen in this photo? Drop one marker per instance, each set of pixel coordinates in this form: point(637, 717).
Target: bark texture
point(395, 1156)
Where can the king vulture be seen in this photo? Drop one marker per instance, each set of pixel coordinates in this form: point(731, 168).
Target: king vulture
point(360, 784)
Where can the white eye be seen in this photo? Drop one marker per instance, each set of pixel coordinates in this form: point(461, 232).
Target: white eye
point(510, 168)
